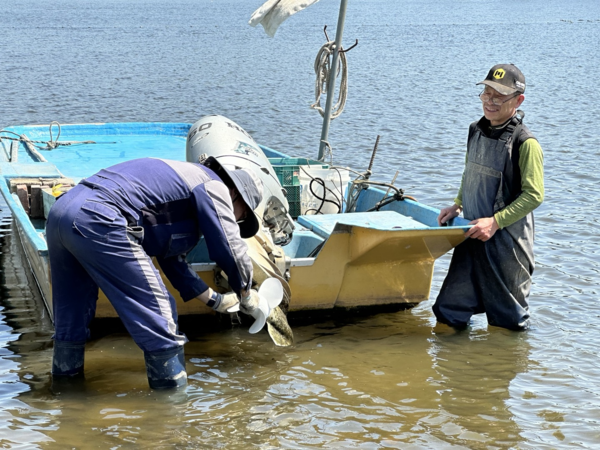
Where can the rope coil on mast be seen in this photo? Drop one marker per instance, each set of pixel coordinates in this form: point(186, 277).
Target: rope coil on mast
point(322, 69)
point(328, 152)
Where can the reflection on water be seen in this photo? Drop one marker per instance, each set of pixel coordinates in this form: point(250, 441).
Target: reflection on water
point(24, 332)
point(474, 375)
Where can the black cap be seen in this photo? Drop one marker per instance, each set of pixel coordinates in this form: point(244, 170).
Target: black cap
point(505, 78)
point(250, 188)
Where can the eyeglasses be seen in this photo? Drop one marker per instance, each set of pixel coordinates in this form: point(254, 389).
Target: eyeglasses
point(498, 101)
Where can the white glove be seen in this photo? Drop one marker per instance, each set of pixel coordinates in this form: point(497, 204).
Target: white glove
point(225, 302)
point(249, 303)
point(260, 304)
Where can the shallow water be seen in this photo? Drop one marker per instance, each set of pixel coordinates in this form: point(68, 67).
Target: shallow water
point(389, 380)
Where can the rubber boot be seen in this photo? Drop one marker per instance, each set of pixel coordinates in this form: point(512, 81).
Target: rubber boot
point(166, 368)
point(67, 360)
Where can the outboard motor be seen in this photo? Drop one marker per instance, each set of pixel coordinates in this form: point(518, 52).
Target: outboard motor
point(225, 140)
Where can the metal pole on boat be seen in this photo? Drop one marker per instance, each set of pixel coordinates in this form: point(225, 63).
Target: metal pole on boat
point(331, 82)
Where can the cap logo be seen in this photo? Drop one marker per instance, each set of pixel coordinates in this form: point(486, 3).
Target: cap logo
point(499, 74)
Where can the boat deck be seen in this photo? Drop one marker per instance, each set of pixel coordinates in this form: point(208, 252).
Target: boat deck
point(323, 225)
point(110, 145)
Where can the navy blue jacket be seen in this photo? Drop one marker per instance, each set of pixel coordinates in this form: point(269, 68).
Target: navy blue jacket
point(176, 203)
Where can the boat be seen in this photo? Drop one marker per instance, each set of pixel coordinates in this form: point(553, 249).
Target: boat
point(378, 249)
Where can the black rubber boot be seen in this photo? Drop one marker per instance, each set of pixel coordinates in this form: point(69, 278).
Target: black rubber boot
point(67, 360)
point(166, 368)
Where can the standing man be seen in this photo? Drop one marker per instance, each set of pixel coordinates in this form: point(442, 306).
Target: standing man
point(104, 232)
point(503, 182)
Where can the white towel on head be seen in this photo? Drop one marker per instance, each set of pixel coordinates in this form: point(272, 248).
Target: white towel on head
point(273, 12)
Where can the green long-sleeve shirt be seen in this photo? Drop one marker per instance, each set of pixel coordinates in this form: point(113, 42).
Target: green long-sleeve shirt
point(531, 163)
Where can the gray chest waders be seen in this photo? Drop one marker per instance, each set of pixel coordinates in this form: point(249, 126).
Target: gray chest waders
point(494, 276)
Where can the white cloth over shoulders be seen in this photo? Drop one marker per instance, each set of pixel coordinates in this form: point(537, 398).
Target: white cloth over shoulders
point(273, 12)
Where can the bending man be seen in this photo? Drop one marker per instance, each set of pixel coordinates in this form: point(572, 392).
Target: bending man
point(104, 232)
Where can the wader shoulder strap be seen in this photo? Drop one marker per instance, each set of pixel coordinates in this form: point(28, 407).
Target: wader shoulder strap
point(512, 132)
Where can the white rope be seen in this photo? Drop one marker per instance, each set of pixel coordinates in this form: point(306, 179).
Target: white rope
point(328, 151)
point(322, 69)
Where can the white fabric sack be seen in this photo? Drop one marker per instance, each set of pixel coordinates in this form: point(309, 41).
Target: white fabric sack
point(273, 12)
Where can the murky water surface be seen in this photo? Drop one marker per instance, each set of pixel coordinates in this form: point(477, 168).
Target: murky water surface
point(384, 381)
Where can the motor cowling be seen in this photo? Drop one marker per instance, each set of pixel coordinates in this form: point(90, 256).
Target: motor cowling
point(234, 148)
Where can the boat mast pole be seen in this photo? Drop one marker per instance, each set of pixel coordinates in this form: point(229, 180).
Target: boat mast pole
point(331, 82)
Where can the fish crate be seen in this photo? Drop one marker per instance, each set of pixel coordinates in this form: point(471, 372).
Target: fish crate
point(288, 173)
point(293, 194)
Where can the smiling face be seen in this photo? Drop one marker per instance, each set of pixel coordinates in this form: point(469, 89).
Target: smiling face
point(498, 114)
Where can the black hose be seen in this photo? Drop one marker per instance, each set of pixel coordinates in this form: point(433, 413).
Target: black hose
point(323, 199)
